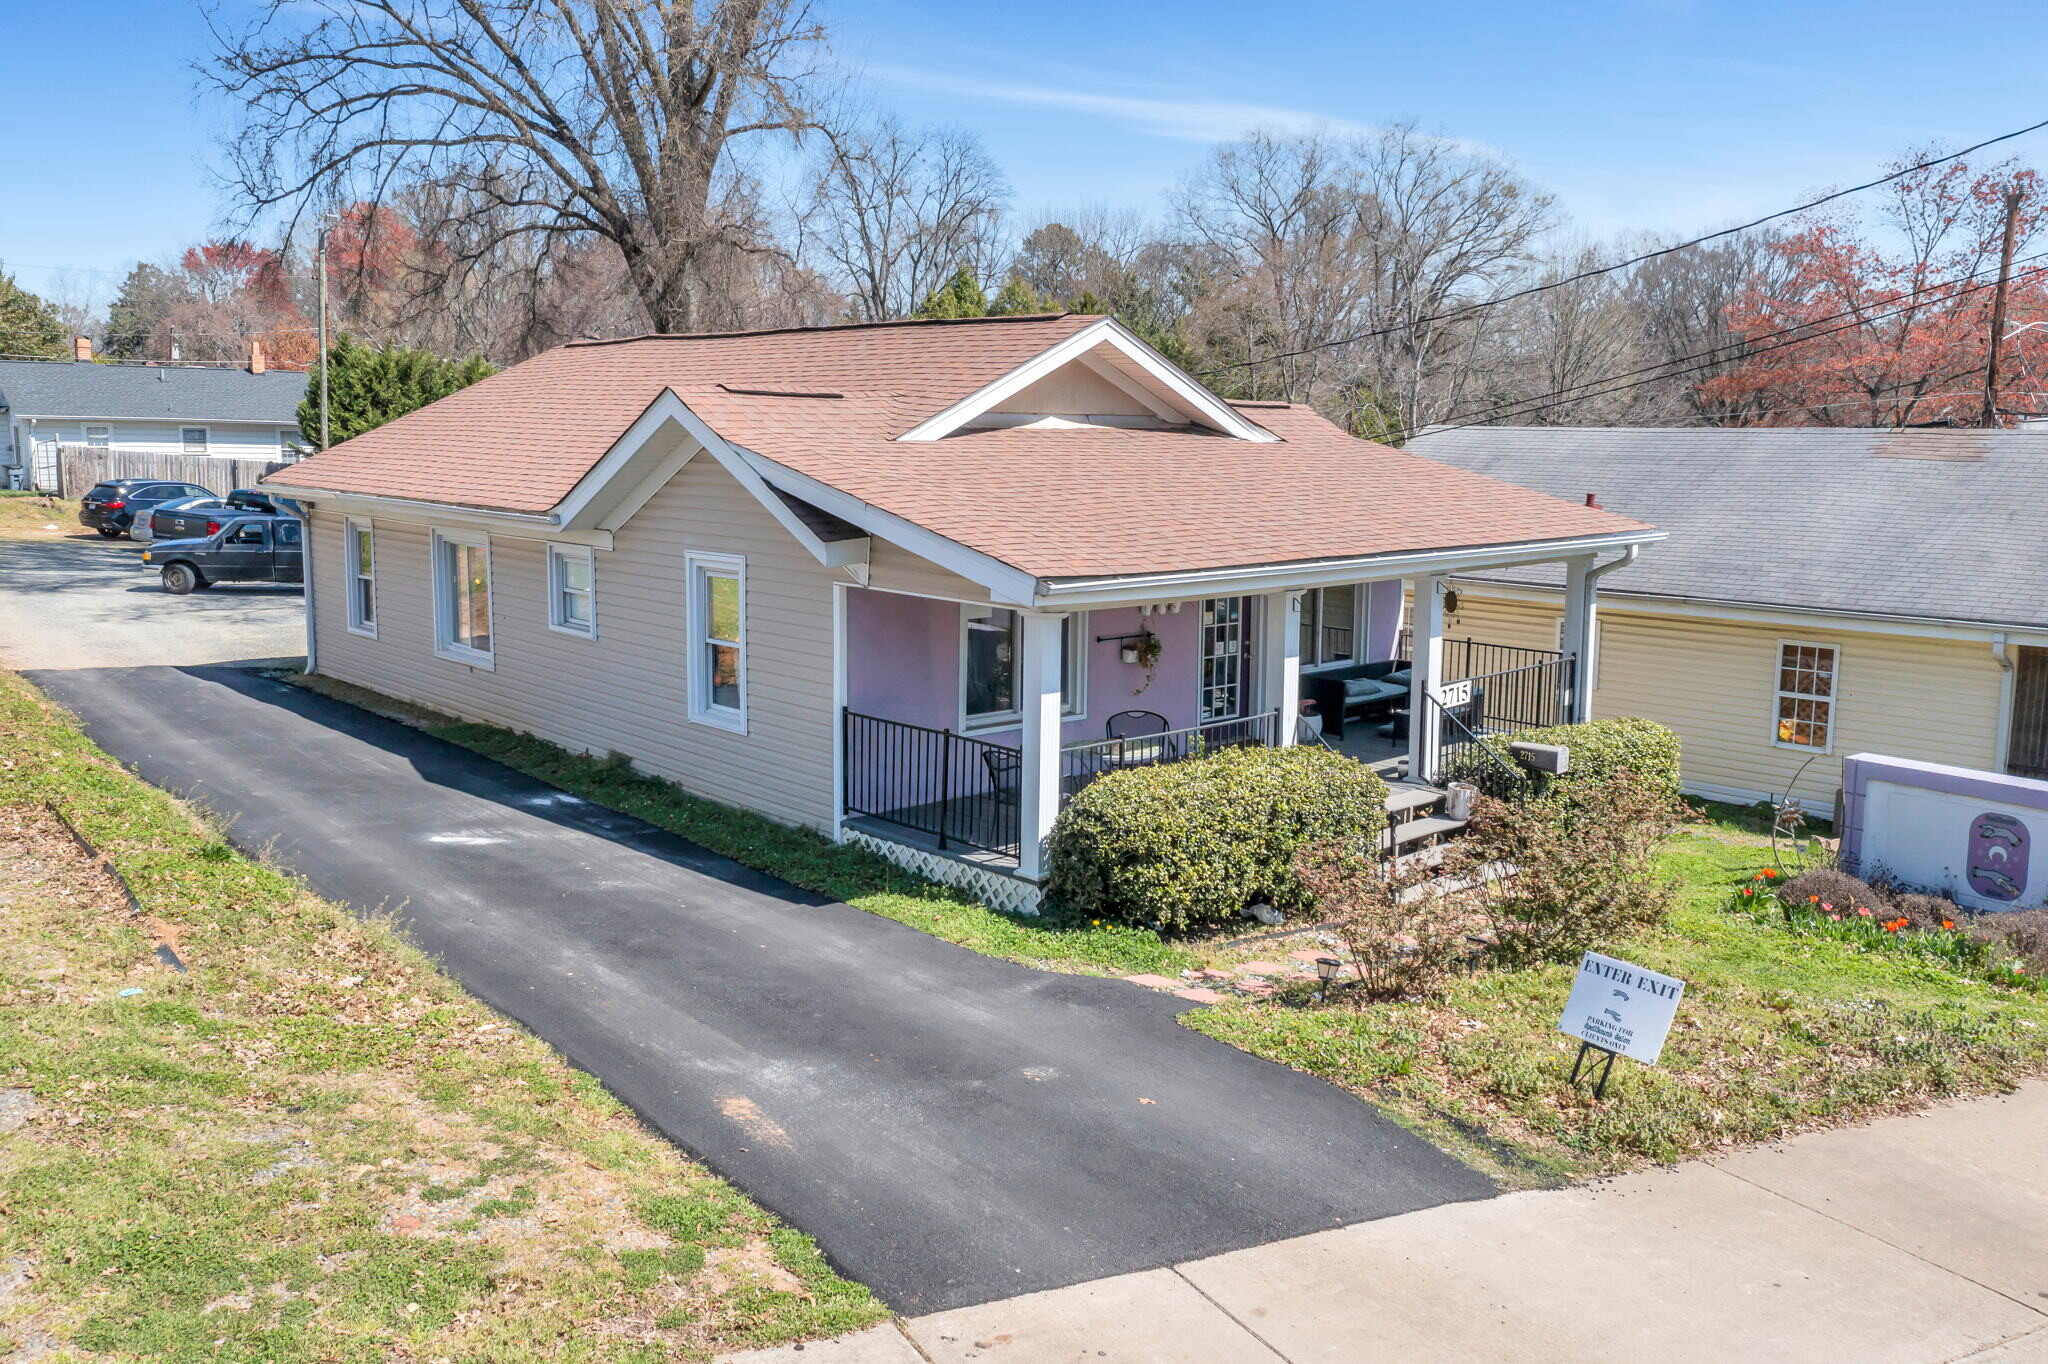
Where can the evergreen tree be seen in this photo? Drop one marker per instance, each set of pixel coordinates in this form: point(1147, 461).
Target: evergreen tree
point(960, 296)
point(1017, 298)
point(368, 386)
point(147, 295)
point(28, 325)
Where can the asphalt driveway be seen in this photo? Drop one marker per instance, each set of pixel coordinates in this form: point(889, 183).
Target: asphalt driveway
point(951, 1128)
point(69, 599)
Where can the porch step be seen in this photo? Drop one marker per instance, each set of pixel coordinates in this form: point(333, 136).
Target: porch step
point(1428, 829)
point(1405, 799)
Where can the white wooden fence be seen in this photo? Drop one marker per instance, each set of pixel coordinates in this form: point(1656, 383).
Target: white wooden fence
point(78, 467)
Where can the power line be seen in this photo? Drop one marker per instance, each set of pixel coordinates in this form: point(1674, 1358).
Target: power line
point(1522, 407)
point(1469, 309)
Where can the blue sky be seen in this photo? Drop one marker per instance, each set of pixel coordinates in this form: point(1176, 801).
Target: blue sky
point(1666, 115)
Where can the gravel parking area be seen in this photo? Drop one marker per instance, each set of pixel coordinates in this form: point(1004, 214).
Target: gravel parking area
point(69, 599)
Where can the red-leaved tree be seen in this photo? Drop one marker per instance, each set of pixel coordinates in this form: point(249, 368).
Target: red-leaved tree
point(1893, 329)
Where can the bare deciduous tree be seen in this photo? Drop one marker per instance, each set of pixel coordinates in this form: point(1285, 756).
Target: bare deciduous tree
point(555, 121)
point(894, 212)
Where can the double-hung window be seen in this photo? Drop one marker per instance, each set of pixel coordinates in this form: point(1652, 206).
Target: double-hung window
point(989, 675)
point(717, 666)
point(193, 439)
point(360, 548)
point(572, 590)
point(98, 437)
point(1806, 695)
point(462, 596)
point(1329, 623)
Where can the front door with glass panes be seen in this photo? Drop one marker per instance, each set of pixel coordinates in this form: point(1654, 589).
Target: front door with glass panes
point(1223, 692)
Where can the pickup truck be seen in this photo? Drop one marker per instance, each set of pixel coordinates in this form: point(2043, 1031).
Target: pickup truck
point(249, 547)
point(196, 518)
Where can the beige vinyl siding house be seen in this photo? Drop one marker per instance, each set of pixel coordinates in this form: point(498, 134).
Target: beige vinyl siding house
point(854, 578)
point(1714, 682)
point(624, 690)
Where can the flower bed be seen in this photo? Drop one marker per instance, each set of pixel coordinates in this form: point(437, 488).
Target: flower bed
point(1969, 944)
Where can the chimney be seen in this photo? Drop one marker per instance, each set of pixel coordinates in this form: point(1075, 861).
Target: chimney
point(1593, 500)
point(81, 348)
point(255, 356)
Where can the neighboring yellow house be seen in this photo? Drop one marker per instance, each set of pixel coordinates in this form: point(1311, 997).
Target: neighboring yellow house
point(1824, 592)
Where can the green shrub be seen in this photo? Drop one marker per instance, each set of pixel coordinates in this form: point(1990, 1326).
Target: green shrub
point(1599, 749)
point(1183, 844)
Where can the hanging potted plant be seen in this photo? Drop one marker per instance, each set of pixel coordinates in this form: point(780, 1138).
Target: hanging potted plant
point(1144, 652)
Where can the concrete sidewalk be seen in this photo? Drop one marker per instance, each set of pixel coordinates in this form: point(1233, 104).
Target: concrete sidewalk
point(1917, 1240)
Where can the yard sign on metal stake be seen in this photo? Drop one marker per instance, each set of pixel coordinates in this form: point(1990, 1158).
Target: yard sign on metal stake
point(1618, 1009)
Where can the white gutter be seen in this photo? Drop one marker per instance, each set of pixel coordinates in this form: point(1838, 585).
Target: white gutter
point(1322, 572)
point(306, 557)
point(1629, 555)
point(443, 508)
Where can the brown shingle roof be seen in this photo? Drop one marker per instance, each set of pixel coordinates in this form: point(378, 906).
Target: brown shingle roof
point(1055, 503)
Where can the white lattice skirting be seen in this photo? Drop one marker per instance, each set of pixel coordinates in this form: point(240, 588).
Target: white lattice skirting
point(997, 891)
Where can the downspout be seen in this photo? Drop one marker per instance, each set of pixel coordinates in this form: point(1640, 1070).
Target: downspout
point(1582, 680)
point(2005, 689)
point(306, 554)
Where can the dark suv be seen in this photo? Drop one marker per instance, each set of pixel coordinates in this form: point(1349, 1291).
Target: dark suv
point(249, 547)
point(111, 508)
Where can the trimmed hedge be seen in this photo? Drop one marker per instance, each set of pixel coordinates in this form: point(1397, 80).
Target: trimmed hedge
point(1190, 843)
point(1599, 749)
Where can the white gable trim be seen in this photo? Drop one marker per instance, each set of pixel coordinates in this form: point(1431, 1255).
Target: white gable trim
point(1207, 407)
point(1007, 586)
point(667, 408)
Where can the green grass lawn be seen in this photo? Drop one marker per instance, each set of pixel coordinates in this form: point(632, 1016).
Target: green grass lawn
point(313, 1145)
point(1776, 1033)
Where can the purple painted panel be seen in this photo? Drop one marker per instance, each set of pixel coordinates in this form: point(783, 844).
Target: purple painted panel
point(1383, 619)
point(903, 657)
point(1998, 856)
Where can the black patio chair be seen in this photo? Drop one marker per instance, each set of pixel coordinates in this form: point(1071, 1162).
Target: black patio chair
point(1005, 772)
point(1135, 724)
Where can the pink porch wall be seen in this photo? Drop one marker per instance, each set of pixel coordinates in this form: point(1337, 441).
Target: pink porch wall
point(903, 663)
point(1383, 625)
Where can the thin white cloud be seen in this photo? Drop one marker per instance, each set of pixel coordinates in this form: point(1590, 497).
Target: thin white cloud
point(1190, 118)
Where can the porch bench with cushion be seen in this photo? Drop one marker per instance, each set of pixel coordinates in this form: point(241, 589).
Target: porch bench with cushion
point(1362, 689)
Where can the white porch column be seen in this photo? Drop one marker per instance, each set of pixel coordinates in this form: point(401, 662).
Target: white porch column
point(1038, 697)
point(1280, 661)
point(1581, 602)
point(1426, 643)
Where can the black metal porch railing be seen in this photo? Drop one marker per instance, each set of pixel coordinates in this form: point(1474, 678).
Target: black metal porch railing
point(1464, 658)
point(960, 790)
point(1533, 696)
point(964, 792)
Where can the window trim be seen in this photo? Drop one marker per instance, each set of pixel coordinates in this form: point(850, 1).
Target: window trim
point(699, 565)
point(558, 620)
point(1360, 596)
point(353, 571)
point(1778, 693)
point(1073, 674)
point(205, 440)
point(103, 441)
point(444, 602)
point(290, 442)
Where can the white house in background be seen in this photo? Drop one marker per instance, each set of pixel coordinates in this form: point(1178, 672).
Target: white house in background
point(1825, 591)
point(909, 583)
point(249, 413)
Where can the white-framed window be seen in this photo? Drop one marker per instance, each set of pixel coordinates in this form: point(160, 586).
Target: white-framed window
point(359, 546)
point(290, 444)
point(193, 439)
point(989, 640)
point(1329, 626)
point(717, 667)
point(1805, 715)
point(572, 590)
point(98, 437)
point(462, 597)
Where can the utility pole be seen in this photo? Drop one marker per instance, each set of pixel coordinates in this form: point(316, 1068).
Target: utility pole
point(320, 257)
point(2012, 218)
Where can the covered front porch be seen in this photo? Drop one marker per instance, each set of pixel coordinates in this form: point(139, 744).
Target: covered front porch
point(966, 726)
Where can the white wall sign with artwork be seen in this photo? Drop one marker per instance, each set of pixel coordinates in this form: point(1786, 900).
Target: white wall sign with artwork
point(1622, 1008)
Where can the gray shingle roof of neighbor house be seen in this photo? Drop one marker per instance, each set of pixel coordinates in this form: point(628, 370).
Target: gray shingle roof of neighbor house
point(1934, 524)
point(74, 388)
